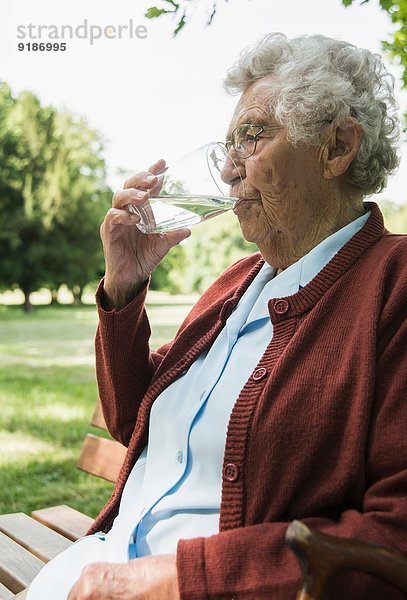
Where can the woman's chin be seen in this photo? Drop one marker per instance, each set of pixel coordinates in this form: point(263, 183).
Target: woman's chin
point(248, 231)
point(254, 231)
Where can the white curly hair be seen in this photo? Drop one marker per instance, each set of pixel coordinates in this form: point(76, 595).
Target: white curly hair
point(317, 78)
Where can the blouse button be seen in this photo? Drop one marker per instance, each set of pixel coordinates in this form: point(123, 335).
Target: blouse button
point(259, 373)
point(231, 472)
point(281, 307)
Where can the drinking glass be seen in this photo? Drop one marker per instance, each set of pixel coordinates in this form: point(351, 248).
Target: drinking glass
point(187, 193)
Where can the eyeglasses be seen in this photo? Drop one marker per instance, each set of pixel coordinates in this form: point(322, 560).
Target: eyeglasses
point(245, 136)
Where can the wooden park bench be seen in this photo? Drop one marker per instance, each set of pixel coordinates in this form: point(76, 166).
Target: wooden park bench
point(27, 543)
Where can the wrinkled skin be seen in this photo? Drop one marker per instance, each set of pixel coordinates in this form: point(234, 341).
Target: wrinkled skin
point(300, 192)
point(147, 578)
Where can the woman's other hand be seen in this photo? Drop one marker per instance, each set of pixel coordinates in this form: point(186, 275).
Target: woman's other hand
point(146, 578)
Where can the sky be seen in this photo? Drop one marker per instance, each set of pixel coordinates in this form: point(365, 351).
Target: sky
point(154, 96)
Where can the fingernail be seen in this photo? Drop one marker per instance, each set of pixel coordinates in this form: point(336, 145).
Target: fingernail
point(140, 194)
point(150, 178)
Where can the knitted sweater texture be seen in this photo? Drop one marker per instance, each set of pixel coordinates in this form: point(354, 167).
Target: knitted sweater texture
point(318, 432)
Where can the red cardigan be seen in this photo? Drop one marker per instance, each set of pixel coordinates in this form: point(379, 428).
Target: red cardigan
point(318, 432)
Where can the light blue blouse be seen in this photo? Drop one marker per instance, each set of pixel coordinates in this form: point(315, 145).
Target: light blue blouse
point(174, 489)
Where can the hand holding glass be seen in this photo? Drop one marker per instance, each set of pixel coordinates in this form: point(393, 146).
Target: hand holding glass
point(189, 192)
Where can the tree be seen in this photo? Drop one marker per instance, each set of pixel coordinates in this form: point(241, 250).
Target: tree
point(52, 196)
point(24, 253)
point(78, 199)
point(9, 184)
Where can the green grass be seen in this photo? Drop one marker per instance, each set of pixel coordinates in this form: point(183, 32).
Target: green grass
point(47, 396)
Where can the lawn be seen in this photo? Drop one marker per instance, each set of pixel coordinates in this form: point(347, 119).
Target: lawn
point(47, 395)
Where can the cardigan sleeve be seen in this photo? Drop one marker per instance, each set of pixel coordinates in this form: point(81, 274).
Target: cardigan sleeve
point(125, 365)
point(255, 562)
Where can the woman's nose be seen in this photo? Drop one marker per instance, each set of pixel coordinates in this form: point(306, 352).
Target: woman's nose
point(232, 169)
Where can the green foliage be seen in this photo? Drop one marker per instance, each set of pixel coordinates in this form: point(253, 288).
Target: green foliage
point(21, 170)
point(172, 7)
point(52, 196)
point(180, 24)
point(212, 248)
point(397, 46)
point(395, 216)
point(180, 9)
point(169, 273)
point(154, 12)
point(195, 264)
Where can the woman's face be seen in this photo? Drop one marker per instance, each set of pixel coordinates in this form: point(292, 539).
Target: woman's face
point(282, 187)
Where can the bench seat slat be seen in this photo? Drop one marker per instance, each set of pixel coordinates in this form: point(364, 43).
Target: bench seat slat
point(41, 541)
point(5, 593)
point(18, 567)
point(65, 520)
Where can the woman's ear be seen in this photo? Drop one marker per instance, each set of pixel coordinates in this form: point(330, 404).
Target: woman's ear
point(342, 148)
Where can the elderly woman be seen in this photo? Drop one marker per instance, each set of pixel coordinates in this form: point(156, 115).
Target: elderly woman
point(283, 393)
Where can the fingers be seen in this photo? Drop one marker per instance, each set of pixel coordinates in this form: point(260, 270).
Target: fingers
point(123, 198)
point(95, 582)
point(141, 186)
point(158, 167)
point(146, 179)
point(114, 217)
point(175, 237)
point(142, 181)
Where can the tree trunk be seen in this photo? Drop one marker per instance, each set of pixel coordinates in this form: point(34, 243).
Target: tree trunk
point(54, 296)
point(77, 295)
point(27, 304)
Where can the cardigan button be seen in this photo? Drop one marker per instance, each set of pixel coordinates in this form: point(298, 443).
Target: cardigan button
point(259, 373)
point(231, 472)
point(281, 307)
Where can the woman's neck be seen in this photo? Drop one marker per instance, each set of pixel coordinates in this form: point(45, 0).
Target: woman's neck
point(285, 249)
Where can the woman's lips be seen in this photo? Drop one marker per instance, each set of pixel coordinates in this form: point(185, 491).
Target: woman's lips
point(240, 201)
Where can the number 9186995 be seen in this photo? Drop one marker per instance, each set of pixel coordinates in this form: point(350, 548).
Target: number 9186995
point(42, 47)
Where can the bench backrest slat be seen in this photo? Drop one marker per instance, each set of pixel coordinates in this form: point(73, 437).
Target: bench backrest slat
point(101, 457)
